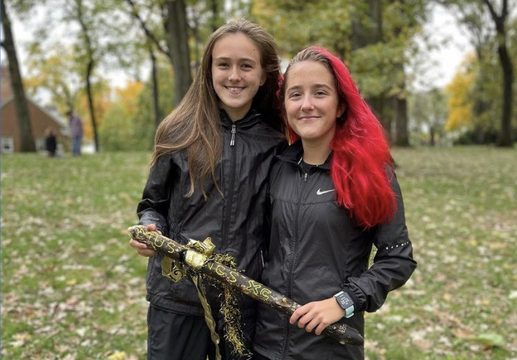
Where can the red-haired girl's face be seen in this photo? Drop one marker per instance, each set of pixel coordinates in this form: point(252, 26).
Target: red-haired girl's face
point(237, 73)
point(311, 102)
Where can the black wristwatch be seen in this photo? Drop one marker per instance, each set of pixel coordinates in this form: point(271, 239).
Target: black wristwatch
point(345, 301)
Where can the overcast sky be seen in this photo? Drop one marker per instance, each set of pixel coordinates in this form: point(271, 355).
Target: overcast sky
point(450, 46)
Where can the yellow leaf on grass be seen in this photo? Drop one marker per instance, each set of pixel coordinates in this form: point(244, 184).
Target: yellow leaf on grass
point(117, 355)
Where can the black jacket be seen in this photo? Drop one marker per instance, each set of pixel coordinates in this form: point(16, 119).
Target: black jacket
point(316, 251)
point(234, 220)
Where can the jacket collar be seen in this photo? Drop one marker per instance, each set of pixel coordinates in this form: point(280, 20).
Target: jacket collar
point(294, 153)
point(251, 118)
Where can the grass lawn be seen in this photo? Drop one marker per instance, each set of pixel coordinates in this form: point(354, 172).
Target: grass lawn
point(73, 289)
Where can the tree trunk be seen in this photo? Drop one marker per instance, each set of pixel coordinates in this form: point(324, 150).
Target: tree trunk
point(20, 101)
point(364, 34)
point(400, 99)
point(505, 135)
point(155, 89)
point(432, 136)
point(401, 122)
point(215, 15)
point(383, 113)
point(89, 70)
point(198, 43)
point(400, 113)
point(91, 107)
point(177, 40)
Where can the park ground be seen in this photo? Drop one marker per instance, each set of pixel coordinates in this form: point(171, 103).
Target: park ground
point(73, 289)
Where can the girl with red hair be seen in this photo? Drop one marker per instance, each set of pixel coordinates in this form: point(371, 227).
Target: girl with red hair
point(333, 195)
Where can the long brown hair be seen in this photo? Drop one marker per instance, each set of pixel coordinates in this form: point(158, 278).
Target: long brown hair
point(195, 125)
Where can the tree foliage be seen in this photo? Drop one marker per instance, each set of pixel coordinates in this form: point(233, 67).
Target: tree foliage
point(373, 37)
point(165, 26)
point(428, 111)
point(459, 104)
point(53, 70)
point(128, 123)
point(484, 93)
point(119, 130)
point(490, 27)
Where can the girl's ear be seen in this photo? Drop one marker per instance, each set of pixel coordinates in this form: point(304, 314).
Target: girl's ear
point(263, 78)
point(341, 110)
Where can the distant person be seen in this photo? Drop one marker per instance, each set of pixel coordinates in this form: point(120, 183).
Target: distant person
point(50, 142)
point(76, 131)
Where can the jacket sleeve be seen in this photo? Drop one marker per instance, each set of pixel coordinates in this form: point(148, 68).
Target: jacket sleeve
point(153, 207)
point(393, 263)
point(267, 208)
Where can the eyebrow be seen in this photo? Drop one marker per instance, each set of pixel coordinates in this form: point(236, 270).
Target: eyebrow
point(226, 58)
point(315, 86)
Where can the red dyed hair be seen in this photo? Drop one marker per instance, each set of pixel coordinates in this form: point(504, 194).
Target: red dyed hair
point(360, 150)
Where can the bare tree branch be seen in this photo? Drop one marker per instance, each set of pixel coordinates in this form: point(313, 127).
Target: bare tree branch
point(145, 28)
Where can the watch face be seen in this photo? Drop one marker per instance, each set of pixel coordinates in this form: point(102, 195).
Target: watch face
point(346, 303)
point(344, 300)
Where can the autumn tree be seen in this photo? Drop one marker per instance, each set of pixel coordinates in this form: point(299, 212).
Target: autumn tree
point(128, 121)
point(459, 105)
point(482, 18)
point(52, 70)
point(88, 26)
point(118, 130)
point(475, 100)
point(20, 101)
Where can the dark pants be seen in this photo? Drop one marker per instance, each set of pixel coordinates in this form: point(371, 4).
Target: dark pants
point(174, 336)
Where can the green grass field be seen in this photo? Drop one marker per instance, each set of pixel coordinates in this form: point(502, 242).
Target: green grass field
point(72, 288)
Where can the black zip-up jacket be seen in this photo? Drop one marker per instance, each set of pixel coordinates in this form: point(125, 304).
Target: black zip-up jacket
point(316, 251)
point(233, 220)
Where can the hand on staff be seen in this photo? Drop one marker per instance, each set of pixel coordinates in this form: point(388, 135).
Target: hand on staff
point(317, 315)
point(141, 248)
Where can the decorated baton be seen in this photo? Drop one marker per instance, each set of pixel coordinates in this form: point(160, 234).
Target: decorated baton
point(196, 257)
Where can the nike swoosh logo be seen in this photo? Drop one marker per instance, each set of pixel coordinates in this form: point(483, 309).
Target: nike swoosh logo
point(320, 192)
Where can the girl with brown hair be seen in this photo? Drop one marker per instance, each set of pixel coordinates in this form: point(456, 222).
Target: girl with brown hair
point(209, 168)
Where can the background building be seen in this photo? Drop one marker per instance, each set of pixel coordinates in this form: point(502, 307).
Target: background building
point(41, 120)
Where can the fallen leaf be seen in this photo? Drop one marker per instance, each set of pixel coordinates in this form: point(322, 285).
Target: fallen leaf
point(117, 355)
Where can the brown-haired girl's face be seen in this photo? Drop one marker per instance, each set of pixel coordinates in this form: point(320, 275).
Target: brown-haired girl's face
point(237, 73)
point(311, 102)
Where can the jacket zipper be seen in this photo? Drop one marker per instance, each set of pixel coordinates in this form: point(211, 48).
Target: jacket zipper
point(290, 288)
point(228, 200)
point(234, 130)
